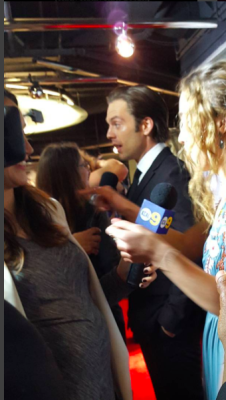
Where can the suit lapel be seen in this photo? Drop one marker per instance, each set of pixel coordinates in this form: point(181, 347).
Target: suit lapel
point(150, 173)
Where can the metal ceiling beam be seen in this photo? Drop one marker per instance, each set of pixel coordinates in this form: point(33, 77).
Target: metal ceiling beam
point(65, 81)
point(10, 76)
point(160, 90)
point(39, 25)
point(101, 80)
point(64, 68)
point(33, 53)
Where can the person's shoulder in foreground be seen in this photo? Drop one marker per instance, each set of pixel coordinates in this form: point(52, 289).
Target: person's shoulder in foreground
point(30, 369)
point(222, 393)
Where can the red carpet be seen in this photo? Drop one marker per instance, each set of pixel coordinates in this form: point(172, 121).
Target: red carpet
point(141, 382)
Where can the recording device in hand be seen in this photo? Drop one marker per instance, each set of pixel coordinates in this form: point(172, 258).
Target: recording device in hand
point(14, 149)
point(107, 179)
point(110, 179)
point(155, 215)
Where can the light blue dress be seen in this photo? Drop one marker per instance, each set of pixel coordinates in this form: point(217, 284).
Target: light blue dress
point(214, 259)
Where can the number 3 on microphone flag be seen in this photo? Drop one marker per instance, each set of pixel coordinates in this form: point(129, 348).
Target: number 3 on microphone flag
point(154, 217)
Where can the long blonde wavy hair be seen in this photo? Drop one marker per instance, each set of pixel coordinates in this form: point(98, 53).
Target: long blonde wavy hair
point(205, 93)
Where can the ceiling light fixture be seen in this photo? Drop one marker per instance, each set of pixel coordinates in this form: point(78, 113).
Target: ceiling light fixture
point(124, 44)
point(44, 91)
point(56, 114)
point(58, 110)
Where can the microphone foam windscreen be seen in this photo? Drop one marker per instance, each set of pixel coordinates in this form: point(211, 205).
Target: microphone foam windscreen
point(164, 195)
point(109, 179)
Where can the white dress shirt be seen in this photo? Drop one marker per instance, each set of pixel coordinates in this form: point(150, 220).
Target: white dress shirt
point(148, 159)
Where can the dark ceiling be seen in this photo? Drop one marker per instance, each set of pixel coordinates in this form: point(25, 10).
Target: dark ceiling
point(35, 30)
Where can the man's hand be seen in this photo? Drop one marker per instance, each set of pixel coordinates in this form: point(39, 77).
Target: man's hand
point(123, 270)
point(108, 199)
point(89, 240)
point(137, 244)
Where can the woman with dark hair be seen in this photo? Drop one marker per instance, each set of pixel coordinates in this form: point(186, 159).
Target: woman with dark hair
point(60, 292)
point(62, 172)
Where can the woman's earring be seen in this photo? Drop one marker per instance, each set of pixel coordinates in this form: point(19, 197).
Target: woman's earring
point(221, 142)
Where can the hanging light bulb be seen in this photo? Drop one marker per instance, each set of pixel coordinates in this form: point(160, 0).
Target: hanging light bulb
point(124, 44)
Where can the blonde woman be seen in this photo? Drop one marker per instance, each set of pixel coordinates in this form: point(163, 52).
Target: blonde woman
point(203, 133)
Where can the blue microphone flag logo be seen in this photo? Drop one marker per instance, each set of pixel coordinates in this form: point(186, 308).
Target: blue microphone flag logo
point(155, 218)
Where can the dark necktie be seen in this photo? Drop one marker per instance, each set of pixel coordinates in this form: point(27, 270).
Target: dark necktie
point(134, 184)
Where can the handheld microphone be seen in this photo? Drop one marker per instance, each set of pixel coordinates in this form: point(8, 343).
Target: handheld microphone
point(155, 215)
point(109, 179)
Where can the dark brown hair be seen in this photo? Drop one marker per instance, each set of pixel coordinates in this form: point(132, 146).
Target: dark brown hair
point(33, 213)
point(58, 175)
point(143, 102)
point(93, 161)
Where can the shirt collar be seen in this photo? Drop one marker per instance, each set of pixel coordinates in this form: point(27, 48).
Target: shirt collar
point(148, 159)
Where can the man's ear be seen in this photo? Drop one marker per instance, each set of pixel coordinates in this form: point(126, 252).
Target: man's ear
point(147, 126)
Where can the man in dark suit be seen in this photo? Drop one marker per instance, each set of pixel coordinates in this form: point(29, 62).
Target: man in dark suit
point(164, 321)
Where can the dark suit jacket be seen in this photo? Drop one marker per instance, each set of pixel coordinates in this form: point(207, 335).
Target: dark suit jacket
point(30, 370)
point(162, 302)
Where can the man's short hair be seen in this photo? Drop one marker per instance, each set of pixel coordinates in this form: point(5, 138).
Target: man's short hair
point(143, 102)
point(10, 96)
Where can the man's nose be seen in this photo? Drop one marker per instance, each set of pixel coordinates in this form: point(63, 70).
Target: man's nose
point(110, 134)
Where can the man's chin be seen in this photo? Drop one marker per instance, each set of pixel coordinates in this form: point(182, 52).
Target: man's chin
point(123, 157)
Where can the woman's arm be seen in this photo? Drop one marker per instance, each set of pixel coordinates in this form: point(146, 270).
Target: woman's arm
point(111, 165)
point(190, 243)
point(199, 286)
point(137, 244)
